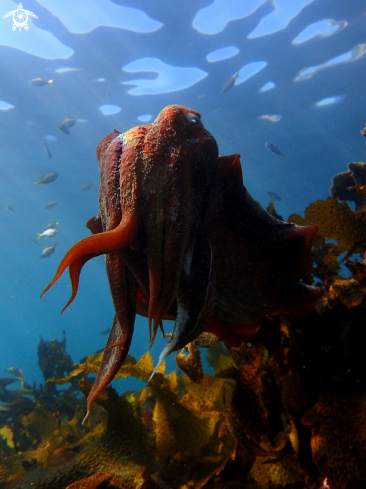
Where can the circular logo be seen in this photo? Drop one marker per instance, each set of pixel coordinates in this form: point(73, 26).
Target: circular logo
point(20, 19)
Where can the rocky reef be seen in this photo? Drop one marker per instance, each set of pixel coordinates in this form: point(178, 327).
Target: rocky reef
point(286, 409)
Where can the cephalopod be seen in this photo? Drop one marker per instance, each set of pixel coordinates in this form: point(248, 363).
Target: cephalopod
point(184, 240)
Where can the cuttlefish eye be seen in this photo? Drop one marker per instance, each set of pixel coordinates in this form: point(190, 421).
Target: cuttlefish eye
point(193, 120)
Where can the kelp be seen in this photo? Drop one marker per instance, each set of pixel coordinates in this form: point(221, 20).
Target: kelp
point(285, 409)
point(338, 432)
point(336, 221)
point(350, 185)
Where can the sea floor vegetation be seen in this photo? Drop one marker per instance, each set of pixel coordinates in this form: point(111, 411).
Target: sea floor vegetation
point(286, 409)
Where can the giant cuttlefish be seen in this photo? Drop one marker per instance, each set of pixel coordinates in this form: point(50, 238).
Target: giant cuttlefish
point(184, 240)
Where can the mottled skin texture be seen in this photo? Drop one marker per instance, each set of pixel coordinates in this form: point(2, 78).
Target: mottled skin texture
point(184, 240)
point(259, 260)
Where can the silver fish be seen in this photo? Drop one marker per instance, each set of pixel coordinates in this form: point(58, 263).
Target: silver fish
point(87, 186)
point(65, 126)
point(46, 179)
point(228, 85)
point(275, 150)
point(48, 152)
point(49, 205)
point(273, 195)
point(47, 234)
point(48, 251)
point(39, 82)
point(51, 225)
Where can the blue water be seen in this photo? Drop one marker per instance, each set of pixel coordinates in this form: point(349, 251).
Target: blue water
point(160, 51)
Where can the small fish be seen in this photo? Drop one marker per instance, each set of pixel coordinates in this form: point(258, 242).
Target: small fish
point(275, 150)
point(109, 92)
point(273, 195)
point(39, 82)
point(65, 126)
point(46, 179)
point(230, 82)
point(47, 234)
point(87, 186)
point(49, 205)
point(51, 225)
point(48, 251)
point(48, 152)
point(9, 208)
point(104, 331)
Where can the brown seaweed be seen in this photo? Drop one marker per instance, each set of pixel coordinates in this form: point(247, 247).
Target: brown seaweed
point(285, 409)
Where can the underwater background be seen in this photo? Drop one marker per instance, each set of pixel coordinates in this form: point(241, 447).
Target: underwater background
point(301, 86)
point(116, 65)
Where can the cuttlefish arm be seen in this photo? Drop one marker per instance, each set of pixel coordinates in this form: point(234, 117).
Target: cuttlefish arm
point(93, 246)
point(119, 218)
point(114, 229)
point(124, 293)
point(195, 299)
point(123, 289)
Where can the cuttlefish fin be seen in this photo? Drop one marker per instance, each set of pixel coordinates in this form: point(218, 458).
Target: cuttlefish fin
point(299, 299)
point(93, 246)
point(196, 300)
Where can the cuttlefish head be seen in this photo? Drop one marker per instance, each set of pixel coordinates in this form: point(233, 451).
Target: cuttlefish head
point(154, 181)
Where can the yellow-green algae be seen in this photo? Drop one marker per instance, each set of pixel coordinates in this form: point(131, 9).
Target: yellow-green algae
point(286, 409)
